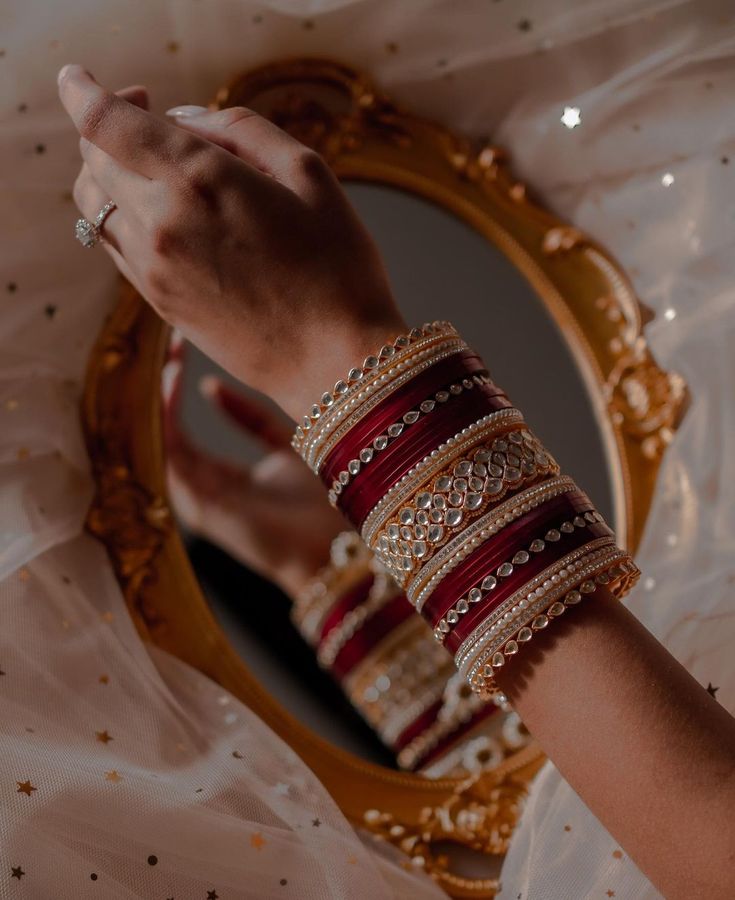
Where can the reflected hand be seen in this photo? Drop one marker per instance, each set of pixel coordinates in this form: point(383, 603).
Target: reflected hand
point(272, 516)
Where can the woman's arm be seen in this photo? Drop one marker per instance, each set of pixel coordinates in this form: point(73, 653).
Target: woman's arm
point(640, 741)
point(254, 253)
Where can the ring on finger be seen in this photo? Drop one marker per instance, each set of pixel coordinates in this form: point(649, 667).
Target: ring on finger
point(89, 234)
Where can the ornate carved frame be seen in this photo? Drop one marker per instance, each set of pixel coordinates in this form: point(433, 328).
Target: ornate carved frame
point(366, 137)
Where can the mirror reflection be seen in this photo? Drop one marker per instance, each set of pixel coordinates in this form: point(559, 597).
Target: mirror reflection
point(336, 651)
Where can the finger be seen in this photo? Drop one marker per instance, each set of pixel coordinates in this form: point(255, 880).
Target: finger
point(197, 481)
point(247, 413)
point(135, 138)
point(136, 94)
point(131, 191)
point(256, 141)
point(176, 346)
point(90, 198)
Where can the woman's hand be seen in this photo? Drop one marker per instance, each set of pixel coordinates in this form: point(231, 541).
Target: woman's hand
point(236, 234)
point(272, 516)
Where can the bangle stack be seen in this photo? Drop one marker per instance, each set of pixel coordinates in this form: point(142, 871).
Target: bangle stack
point(365, 634)
point(458, 500)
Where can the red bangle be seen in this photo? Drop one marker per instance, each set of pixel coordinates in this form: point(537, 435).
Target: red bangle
point(364, 492)
point(506, 587)
point(437, 377)
point(514, 538)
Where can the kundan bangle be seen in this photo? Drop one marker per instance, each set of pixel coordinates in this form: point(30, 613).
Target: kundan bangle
point(459, 501)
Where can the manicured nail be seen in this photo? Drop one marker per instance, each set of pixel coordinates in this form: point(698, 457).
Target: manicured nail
point(67, 70)
point(182, 112)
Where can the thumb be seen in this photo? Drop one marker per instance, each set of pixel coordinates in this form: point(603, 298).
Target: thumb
point(256, 141)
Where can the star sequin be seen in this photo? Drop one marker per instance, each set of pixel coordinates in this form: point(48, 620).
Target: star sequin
point(617, 854)
point(104, 679)
point(114, 776)
point(50, 311)
point(17, 872)
point(257, 840)
point(525, 25)
point(610, 893)
point(571, 117)
point(237, 754)
point(212, 895)
point(25, 787)
point(316, 823)
point(173, 46)
point(711, 689)
point(103, 737)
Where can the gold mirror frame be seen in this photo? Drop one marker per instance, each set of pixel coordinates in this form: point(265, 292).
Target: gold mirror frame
point(366, 137)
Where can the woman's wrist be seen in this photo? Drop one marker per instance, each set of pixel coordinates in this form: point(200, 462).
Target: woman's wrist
point(333, 352)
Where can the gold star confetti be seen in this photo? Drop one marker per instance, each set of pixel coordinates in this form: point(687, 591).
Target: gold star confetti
point(11, 405)
point(65, 624)
point(352, 860)
point(103, 737)
point(1, 672)
point(525, 25)
point(237, 754)
point(316, 823)
point(113, 776)
point(567, 828)
point(617, 854)
point(50, 311)
point(711, 689)
point(173, 47)
point(283, 882)
point(212, 895)
point(610, 893)
point(17, 872)
point(24, 574)
point(308, 24)
point(104, 679)
point(392, 47)
point(23, 453)
point(108, 617)
point(25, 787)
point(257, 840)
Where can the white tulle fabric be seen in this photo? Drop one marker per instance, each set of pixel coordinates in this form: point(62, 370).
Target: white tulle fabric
point(193, 796)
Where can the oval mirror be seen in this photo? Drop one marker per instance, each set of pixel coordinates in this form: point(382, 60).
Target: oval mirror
point(553, 316)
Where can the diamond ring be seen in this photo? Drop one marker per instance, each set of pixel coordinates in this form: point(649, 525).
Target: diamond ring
point(90, 233)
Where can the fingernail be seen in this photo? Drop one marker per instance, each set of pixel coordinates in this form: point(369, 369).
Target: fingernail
point(208, 386)
point(67, 69)
point(182, 112)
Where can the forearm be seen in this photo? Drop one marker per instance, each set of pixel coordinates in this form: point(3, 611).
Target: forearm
point(645, 746)
point(515, 571)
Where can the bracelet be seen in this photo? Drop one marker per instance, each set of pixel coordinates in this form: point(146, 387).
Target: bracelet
point(393, 674)
point(463, 507)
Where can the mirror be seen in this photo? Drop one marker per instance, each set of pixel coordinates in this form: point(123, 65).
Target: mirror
point(439, 268)
point(462, 239)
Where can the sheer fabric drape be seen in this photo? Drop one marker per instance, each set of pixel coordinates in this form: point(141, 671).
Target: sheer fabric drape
point(124, 774)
